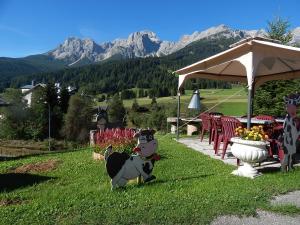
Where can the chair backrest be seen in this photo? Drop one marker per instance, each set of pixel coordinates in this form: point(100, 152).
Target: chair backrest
point(206, 121)
point(216, 114)
point(216, 123)
point(265, 117)
point(229, 124)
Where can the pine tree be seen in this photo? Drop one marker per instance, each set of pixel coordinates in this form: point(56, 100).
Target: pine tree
point(278, 29)
point(116, 111)
point(135, 105)
point(38, 125)
point(78, 119)
point(64, 99)
point(56, 116)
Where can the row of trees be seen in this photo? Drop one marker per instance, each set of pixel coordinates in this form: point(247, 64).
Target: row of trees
point(70, 116)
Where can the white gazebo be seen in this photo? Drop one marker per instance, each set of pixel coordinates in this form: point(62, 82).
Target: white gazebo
point(253, 61)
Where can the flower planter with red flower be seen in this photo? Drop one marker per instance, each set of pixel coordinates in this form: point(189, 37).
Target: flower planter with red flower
point(122, 140)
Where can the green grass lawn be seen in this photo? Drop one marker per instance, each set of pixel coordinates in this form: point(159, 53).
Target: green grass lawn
point(191, 188)
point(235, 106)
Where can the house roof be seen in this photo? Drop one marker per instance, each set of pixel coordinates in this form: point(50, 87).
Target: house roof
point(29, 86)
point(33, 87)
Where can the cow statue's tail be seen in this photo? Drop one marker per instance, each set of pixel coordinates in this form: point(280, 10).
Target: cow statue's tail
point(108, 151)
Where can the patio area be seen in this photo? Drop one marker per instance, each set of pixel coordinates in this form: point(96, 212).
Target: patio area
point(207, 149)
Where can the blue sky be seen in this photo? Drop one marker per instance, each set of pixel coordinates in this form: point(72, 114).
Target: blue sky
point(36, 26)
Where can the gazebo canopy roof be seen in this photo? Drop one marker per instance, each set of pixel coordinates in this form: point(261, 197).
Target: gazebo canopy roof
point(252, 61)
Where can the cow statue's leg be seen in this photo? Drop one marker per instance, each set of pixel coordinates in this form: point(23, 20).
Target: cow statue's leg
point(122, 182)
point(139, 164)
point(285, 163)
point(116, 180)
point(139, 179)
point(291, 161)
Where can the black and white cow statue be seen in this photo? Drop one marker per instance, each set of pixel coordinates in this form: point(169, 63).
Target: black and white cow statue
point(291, 131)
point(122, 167)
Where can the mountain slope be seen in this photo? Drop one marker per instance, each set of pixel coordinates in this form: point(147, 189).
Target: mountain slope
point(11, 67)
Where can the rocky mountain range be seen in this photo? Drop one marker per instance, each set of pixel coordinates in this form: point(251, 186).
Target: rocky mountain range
point(138, 44)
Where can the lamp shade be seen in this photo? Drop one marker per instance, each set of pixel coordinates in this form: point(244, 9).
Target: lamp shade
point(195, 101)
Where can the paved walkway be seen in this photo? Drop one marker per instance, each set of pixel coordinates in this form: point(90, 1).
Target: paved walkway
point(207, 149)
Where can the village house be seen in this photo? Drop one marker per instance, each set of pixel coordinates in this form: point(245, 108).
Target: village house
point(27, 90)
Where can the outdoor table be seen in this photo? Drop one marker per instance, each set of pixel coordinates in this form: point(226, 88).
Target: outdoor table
point(173, 122)
point(192, 125)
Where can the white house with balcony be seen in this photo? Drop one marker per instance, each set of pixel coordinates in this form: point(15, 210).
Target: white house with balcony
point(27, 90)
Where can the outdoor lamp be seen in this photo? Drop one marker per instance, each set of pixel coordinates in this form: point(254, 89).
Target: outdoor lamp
point(195, 101)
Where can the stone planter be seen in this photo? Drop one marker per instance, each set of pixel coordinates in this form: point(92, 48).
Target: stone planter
point(98, 156)
point(249, 152)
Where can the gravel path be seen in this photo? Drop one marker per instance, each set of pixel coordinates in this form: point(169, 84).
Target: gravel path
point(263, 218)
point(292, 198)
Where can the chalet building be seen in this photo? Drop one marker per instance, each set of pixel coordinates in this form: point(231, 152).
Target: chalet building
point(27, 90)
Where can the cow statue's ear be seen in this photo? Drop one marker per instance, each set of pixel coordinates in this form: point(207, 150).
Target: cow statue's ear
point(153, 131)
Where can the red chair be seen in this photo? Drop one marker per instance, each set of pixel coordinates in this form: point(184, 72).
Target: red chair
point(274, 124)
point(229, 124)
point(216, 130)
point(216, 114)
point(273, 130)
point(206, 126)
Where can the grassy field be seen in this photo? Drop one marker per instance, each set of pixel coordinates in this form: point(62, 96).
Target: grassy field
point(190, 189)
point(236, 105)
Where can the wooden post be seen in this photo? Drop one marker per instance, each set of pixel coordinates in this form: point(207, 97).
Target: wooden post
point(178, 115)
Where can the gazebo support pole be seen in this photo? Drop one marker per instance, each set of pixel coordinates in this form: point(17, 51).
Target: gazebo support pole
point(250, 106)
point(178, 115)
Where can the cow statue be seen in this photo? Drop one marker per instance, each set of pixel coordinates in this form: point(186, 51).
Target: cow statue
point(291, 131)
point(122, 167)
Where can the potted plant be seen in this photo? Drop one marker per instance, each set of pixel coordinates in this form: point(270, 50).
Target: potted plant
point(250, 147)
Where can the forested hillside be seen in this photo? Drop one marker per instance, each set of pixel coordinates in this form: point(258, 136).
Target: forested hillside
point(30, 65)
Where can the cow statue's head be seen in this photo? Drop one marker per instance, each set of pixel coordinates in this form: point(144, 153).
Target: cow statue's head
point(146, 144)
point(291, 102)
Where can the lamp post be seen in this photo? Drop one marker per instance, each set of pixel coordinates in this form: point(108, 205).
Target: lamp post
point(178, 115)
point(49, 127)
